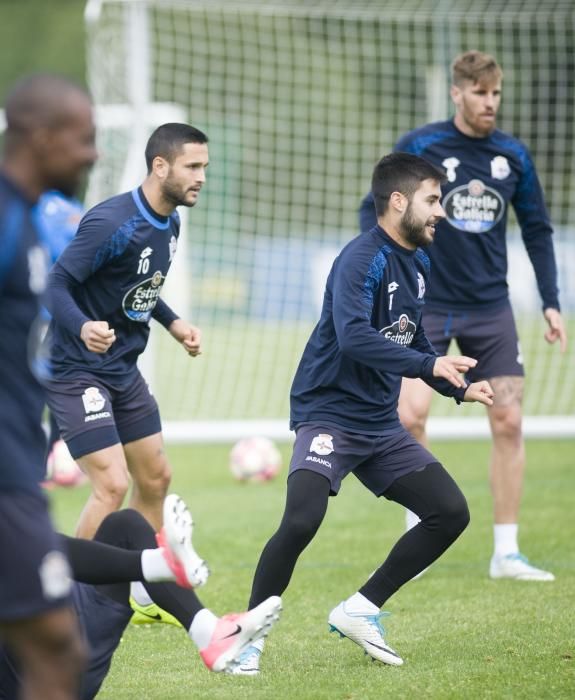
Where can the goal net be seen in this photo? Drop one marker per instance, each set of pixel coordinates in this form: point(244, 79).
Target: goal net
point(299, 100)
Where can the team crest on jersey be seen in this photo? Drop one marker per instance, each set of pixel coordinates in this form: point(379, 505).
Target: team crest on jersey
point(500, 168)
point(38, 269)
point(139, 302)
point(93, 400)
point(322, 444)
point(55, 576)
point(401, 331)
point(450, 164)
point(420, 286)
point(474, 208)
point(173, 247)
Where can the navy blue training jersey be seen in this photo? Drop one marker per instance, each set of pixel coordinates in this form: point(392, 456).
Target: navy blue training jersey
point(114, 268)
point(469, 253)
point(369, 335)
point(23, 268)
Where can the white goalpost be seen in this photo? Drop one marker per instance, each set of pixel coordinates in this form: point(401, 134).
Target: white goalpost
point(299, 100)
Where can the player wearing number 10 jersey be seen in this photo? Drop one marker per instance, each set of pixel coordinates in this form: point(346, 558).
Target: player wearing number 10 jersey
point(104, 290)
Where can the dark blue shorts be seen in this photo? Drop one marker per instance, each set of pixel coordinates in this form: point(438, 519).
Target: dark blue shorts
point(92, 414)
point(376, 460)
point(34, 573)
point(491, 338)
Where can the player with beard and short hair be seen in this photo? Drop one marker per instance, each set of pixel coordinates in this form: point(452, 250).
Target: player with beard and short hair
point(468, 296)
point(104, 290)
point(344, 405)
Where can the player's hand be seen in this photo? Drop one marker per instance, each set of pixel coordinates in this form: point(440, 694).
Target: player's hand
point(556, 330)
point(189, 336)
point(97, 336)
point(453, 367)
point(480, 392)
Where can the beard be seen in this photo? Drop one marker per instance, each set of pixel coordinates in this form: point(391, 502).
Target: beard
point(413, 229)
point(173, 193)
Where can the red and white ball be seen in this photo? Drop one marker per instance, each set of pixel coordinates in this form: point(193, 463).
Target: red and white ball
point(61, 467)
point(255, 459)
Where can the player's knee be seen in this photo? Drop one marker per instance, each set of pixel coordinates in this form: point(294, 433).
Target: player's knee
point(413, 421)
point(506, 425)
point(124, 520)
point(112, 489)
point(300, 526)
point(454, 516)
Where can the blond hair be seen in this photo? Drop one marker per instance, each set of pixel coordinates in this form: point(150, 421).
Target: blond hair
point(476, 67)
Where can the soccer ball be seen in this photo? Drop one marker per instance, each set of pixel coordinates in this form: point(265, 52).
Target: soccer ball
point(61, 467)
point(255, 459)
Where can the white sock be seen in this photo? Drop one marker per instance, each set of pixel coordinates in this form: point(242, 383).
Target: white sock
point(155, 567)
point(139, 593)
point(411, 520)
point(358, 603)
point(505, 539)
point(202, 628)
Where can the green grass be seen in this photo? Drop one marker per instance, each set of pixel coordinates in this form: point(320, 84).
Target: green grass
point(461, 635)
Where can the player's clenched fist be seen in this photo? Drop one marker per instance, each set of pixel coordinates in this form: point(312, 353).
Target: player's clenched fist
point(189, 336)
point(481, 392)
point(453, 367)
point(97, 336)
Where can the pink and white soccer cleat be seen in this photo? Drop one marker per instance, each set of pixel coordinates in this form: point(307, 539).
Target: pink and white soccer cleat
point(235, 632)
point(175, 541)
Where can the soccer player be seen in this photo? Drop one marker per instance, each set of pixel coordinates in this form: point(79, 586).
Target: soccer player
point(48, 143)
point(104, 290)
point(468, 298)
point(124, 549)
point(344, 404)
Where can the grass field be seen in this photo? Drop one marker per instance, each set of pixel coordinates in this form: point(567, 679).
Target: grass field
point(461, 635)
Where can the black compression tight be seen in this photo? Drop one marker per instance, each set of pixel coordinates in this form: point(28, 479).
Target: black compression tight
point(430, 493)
point(434, 496)
point(113, 559)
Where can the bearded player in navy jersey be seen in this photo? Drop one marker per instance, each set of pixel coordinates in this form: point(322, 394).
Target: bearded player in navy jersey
point(468, 298)
point(49, 143)
point(104, 291)
point(344, 404)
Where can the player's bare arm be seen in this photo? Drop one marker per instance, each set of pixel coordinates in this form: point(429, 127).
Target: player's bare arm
point(556, 330)
point(97, 336)
point(186, 334)
point(453, 367)
point(480, 392)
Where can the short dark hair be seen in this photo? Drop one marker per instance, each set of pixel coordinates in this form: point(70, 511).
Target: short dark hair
point(168, 139)
point(40, 100)
point(401, 172)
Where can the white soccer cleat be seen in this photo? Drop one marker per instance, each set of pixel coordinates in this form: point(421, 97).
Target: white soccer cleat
point(237, 632)
point(516, 566)
point(366, 631)
point(175, 540)
point(249, 660)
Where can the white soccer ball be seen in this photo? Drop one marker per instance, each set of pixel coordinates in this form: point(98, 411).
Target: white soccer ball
point(61, 467)
point(255, 459)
